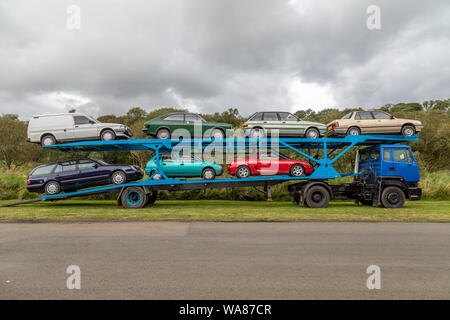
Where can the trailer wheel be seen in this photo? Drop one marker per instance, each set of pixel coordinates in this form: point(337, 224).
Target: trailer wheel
point(317, 197)
point(134, 198)
point(151, 198)
point(392, 197)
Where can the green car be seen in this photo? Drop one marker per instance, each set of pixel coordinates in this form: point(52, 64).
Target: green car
point(261, 123)
point(164, 126)
point(184, 165)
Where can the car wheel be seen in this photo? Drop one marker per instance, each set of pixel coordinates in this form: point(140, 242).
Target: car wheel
point(48, 140)
point(163, 134)
point(408, 130)
point(297, 170)
point(52, 187)
point(217, 134)
point(312, 133)
point(354, 131)
point(208, 174)
point(392, 197)
point(133, 198)
point(243, 172)
point(317, 197)
point(108, 135)
point(257, 133)
point(118, 177)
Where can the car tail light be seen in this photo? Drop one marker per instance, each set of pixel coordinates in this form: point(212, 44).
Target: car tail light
point(28, 182)
point(335, 124)
point(245, 125)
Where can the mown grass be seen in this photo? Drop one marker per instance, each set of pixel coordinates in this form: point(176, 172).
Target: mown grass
point(223, 210)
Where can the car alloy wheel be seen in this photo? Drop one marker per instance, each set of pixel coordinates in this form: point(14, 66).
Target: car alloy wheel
point(354, 131)
point(163, 134)
point(257, 133)
point(118, 177)
point(243, 172)
point(208, 174)
point(312, 133)
point(408, 131)
point(297, 170)
point(217, 134)
point(108, 135)
point(52, 187)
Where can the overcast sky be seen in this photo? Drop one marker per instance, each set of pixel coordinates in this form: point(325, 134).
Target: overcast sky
point(209, 55)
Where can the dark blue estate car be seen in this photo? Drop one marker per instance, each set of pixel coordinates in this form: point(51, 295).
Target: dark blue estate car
point(72, 175)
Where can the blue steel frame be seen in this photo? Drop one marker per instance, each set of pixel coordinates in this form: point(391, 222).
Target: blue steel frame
point(324, 170)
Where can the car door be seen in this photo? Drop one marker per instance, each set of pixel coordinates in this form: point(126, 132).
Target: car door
point(84, 128)
point(404, 164)
point(272, 124)
point(92, 174)
point(195, 125)
point(384, 122)
point(365, 121)
point(169, 165)
point(67, 174)
point(290, 125)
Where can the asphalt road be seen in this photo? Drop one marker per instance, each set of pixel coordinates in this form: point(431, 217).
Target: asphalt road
point(176, 260)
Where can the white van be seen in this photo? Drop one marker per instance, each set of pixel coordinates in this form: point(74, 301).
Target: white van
point(49, 129)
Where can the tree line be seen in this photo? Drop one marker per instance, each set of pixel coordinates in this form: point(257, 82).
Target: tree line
point(432, 149)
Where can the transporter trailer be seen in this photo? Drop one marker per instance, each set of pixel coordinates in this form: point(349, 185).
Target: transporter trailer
point(385, 173)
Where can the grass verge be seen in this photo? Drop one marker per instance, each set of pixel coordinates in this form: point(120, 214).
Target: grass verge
point(223, 210)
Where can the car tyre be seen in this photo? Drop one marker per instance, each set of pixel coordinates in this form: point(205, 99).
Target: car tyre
point(118, 177)
point(312, 133)
point(108, 135)
point(353, 131)
point(408, 130)
point(163, 134)
point(392, 197)
point(243, 172)
point(133, 198)
point(208, 174)
point(257, 133)
point(297, 170)
point(52, 187)
point(48, 140)
point(317, 197)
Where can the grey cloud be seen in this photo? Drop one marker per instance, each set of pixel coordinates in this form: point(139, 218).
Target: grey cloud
point(211, 55)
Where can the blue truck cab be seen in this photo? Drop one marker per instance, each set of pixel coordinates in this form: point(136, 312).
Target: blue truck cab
point(391, 171)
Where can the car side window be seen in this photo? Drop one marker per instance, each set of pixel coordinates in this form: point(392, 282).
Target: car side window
point(192, 117)
point(270, 116)
point(86, 164)
point(43, 170)
point(167, 157)
point(66, 167)
point(387, 154)
point(175, 117)
point(400, 155)
point(286, 116)
point(256, 117)
point(380, 115)
point(365, 115)
point(348, 115)
point(81, 120)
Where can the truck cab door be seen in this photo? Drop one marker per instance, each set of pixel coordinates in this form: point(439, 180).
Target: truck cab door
point(404, 165)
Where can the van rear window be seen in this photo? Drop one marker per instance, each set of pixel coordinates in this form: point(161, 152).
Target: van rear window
point(43, 170)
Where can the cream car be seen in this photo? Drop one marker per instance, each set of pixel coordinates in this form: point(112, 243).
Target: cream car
point(373, 122)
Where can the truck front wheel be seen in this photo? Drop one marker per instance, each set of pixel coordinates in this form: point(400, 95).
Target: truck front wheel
point(317, 197)
point(392, 197)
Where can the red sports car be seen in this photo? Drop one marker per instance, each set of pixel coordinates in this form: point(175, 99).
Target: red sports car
point(243, 168)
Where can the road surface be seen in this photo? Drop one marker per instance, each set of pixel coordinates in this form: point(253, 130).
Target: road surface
point(201, 260)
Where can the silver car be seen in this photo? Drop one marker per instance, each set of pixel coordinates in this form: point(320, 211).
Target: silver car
point(50, 129)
